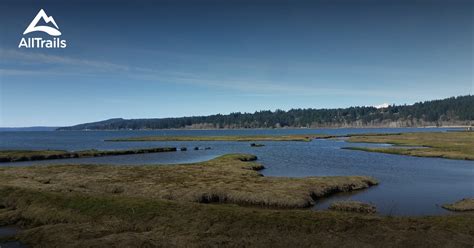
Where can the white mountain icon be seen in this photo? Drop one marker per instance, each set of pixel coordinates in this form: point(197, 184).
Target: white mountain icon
point(49, 30)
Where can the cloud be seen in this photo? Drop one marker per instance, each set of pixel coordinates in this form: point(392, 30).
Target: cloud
point(381, 106)
point(53, 59)
point(28, 72)
point(75, 66)
point(268, 88)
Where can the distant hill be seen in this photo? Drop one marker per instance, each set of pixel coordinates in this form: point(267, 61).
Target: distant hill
point(15, 129)
point(447, 112)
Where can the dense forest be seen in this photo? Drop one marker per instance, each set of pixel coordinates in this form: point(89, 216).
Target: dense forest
point(450, 111)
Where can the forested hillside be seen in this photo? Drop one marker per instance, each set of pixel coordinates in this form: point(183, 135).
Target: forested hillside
point(450, 111)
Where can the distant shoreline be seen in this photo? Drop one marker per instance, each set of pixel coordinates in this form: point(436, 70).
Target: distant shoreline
point(279, 128)
point(27, 129)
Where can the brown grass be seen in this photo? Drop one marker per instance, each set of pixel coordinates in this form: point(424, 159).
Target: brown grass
point(59, 219)
point(115, 206)
point(466, 204)
point(27, 155)
point(452, 145)
point(227, 179)
point(353, 206)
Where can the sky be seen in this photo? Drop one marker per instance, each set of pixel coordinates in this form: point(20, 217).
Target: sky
point(153, 59)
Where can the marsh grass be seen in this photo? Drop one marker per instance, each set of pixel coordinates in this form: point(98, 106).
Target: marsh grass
point(353, 206)
point(452, 145)
point(228, 179)
point(466, 204)
point(295, 137)
point(74, 219)
point(30, 155)
point(160, 206)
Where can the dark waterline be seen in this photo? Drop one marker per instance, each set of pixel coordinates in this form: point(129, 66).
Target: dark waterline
point(9, 231)
point(408, 185)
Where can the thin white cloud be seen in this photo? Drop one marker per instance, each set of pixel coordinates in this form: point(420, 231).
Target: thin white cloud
point(89, 67)
point(23, 72)
point(53, 59)
point(264, 87)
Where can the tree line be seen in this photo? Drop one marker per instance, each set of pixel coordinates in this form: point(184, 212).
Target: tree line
point(453, 110)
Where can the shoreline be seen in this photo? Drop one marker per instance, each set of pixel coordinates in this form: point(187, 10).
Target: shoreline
point(217, 129)
point(284, 128)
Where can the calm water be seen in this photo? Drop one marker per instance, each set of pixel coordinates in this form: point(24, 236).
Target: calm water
point(7, 231)
point(408, 185)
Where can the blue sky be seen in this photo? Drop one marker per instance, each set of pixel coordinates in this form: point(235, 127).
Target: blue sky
point(148, 59)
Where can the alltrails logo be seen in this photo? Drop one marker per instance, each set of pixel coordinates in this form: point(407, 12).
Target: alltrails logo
point(38, 42)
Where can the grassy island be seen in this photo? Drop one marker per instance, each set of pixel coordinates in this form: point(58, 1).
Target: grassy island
point(161, 206)
point(466, 204)
point(227, 179)
point(28, 155)
point(452, 145)
point(293, 137)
